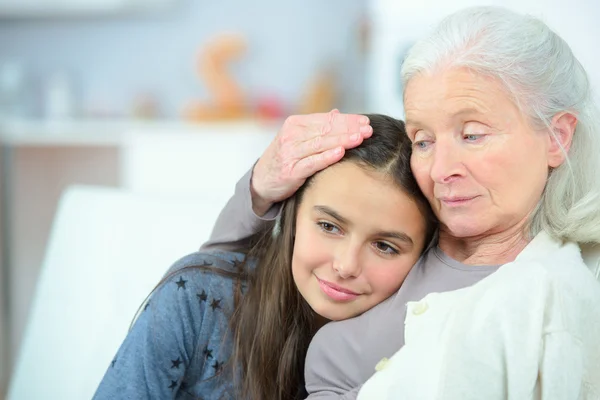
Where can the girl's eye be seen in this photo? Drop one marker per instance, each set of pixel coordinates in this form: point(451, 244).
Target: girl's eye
point(385, 248)
point(328, 227)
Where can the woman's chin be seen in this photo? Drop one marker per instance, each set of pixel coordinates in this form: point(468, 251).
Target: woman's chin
point(466, 228)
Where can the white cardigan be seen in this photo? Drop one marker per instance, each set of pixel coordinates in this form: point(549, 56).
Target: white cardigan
point(529, 331)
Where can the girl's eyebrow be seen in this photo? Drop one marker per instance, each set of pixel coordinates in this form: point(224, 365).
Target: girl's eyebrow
point(332, 213)
point(403, 237)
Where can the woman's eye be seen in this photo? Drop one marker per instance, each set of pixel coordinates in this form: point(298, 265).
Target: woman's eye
point(328, 227)
point(473, 138)
point(385, 248)
point(421, 145)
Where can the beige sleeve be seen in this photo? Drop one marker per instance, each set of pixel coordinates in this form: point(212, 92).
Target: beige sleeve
point(334, 362)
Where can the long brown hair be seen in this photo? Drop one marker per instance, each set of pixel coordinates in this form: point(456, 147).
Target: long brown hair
point(273, 324)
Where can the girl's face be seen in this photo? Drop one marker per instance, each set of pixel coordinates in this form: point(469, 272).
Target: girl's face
point(357, 237)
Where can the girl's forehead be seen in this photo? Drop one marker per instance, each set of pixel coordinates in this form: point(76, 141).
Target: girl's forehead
point(348, 173)
point(350, 186)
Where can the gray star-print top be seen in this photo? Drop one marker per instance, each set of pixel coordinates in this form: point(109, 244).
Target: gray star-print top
point(180, 344)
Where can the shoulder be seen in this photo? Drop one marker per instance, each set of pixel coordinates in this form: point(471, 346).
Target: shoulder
point(573, 291)
point(180, 340)
point(227, 261)
point(201, 277)
point(559, 269)
point(553, 258)
point(337, 341)
point(347, 351)
point(194, 302)
point(344, 333)
point(554, 280)
point(330, 354)
point(213, 267)
point(548, 263)
point(528, 286)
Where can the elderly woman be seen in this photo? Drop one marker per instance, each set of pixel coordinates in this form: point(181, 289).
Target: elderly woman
point(506, 149)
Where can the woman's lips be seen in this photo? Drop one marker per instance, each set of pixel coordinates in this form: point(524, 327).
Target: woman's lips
point(457, 201)
point(336, 292)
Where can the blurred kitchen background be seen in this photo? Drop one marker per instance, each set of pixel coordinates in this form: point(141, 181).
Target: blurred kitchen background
point(179, 97)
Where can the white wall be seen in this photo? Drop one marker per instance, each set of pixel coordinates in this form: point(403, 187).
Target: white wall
point(398, 24)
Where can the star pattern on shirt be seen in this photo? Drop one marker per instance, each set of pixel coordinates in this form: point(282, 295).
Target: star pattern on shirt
point(218, 366)
point(237, 265)
point(214, 359)
point(207, 353)
point(176, 363)
point(202, 296)
point(216, 303)
point(181, 283)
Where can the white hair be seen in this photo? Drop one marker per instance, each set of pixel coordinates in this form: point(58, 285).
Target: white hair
point(543, 78)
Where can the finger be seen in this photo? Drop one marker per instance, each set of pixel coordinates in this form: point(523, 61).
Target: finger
point(316, 118)
point(338, 128)
point(308, 166)
point(349, 123)
point(313, 127)
point(319, 144)
point(337, 121)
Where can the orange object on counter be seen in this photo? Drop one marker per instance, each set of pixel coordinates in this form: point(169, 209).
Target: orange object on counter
point(227, 98)
point(320, 95)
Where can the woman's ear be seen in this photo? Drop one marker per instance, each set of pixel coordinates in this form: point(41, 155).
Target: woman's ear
point(563, 125)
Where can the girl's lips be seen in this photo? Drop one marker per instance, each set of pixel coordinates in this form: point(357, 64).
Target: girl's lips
point(336, 292)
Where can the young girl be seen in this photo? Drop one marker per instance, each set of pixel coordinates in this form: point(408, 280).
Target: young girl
point(229, 325)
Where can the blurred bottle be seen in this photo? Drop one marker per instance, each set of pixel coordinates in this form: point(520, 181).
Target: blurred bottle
point(12, 91)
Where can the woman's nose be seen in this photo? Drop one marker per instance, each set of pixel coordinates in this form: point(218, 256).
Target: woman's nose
point(446, 163)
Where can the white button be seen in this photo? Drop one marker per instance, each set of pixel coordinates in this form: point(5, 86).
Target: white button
point(382, 364)
point(420, 308)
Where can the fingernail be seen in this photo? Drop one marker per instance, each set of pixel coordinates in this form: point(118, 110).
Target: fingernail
point(337, 151)
point(354, 137)
point(366, 129)
point(364, 120)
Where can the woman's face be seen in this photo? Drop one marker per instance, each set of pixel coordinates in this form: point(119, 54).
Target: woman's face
point(480, 164)
point(357, 237)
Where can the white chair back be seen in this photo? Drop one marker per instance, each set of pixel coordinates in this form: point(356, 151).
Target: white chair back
point(107, 250)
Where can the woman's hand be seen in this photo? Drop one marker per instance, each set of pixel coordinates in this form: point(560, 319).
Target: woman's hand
point(305, 145)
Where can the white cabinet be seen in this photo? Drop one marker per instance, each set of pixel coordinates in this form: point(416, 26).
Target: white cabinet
point(61, 8)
